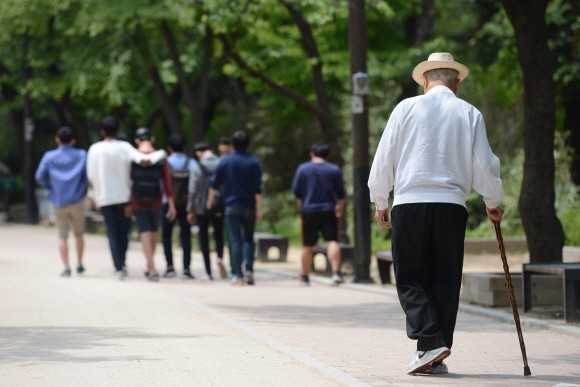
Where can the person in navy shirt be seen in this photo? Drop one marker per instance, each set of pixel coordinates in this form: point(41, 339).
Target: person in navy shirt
point(63, 172)
point(319, 190)
point(238, 178)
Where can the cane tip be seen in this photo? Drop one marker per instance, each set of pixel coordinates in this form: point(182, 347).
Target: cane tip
point(527, 371)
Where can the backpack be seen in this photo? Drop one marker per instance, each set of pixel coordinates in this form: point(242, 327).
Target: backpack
point(180, 183)
point(146, 188)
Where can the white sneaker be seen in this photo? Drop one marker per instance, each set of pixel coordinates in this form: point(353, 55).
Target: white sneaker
point(423, 360)
point(337, 279)
point(438, 369)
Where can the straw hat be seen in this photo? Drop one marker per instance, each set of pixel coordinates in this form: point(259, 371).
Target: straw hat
point(439, 60)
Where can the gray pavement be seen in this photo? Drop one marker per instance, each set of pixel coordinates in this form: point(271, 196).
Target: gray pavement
point(94, 330)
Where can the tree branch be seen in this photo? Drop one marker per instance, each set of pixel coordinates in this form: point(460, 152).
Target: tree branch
point(289, 93)
point(311, 48)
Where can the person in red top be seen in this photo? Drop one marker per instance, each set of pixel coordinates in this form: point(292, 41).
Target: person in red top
point(146, 199)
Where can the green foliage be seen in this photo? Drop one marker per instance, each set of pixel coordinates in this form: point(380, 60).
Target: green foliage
point(565, 20)
point(566, 191)
point(281, 216)
point(89, 58)
point(570, 218)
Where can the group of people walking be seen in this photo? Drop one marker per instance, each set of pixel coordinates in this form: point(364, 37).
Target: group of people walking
point(157, 191)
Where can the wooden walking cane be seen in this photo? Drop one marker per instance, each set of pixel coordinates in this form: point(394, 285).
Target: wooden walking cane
point(508, 280)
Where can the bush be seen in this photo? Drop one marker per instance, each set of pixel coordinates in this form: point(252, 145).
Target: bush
point(570, 219)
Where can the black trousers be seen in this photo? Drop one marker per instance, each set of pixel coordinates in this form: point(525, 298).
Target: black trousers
point(428, 246)
point(217, 223)
point(118, 227)
point(184, 236)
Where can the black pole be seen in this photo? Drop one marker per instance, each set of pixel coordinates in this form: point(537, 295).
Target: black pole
point(360, 143)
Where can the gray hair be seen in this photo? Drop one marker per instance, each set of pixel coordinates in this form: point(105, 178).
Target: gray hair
point(447, 76)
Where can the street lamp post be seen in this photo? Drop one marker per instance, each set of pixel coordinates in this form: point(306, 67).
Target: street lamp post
point(360, 140)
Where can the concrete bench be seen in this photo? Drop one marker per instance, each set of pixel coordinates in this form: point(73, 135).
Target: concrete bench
point(489, 245)
point(264, 241)
point(346, 255)
point(384, 262)
point(570, 273)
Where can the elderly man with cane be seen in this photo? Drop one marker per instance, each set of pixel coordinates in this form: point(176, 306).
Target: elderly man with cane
point(433, 150)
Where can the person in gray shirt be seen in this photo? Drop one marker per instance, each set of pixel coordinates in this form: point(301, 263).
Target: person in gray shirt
point(197, 211)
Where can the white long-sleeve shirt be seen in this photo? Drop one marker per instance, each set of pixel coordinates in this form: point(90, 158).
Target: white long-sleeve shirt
point(434, 149)
point(109, 170)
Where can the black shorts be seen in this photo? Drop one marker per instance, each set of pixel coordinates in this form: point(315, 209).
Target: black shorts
point(148, 219)
point(313, 223)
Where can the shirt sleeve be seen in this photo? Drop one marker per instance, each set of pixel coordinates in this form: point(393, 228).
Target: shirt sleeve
point(90, 165)
point(486, 168)
point(339, 189)
point(193, 186)
point(136, 156)
point(42, 174)
point(167, 184)
point(217, 179)
point(296, 183)
point(258, 179)
point(382, 173)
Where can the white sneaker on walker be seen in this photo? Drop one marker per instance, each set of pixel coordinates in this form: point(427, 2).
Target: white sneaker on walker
point(437, 369)
point(423, 360)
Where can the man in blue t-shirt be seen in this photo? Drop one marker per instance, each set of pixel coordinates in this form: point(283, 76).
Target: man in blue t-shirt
point(63, 172)
point(238, 177)
point(319, 190)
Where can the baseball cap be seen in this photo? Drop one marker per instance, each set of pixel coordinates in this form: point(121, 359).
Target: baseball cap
point(201, 146)
point(143, 134)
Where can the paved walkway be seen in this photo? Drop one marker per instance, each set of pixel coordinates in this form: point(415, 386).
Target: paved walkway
point(97, 331)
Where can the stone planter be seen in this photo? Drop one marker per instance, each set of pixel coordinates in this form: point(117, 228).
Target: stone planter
point(490, 289)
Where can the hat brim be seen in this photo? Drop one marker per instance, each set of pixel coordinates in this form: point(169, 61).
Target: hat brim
point(423, 67)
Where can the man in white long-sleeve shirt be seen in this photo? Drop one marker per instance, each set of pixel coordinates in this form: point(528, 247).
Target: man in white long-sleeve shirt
point(109, 174)
point(433, 150)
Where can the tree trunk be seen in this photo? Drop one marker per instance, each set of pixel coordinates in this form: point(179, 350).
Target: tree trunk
point(419, 29)
point(67, 110)
point(330, 132)
point(170, 112)
point(167, 106)
point(28, 135)
point(205, 113)
point(186, 88)
point(544, 232)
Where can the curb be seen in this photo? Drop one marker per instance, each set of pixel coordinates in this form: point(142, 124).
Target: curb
point(499, 315)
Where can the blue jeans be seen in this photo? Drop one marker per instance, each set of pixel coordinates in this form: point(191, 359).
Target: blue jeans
point(118, 226)
point(241, 222)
